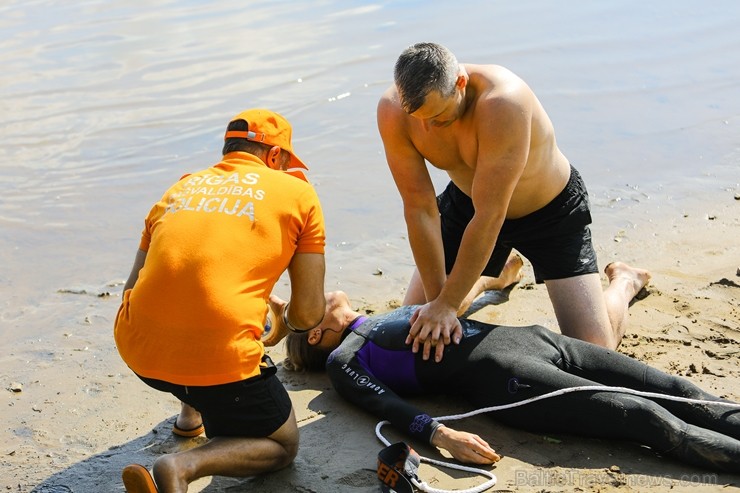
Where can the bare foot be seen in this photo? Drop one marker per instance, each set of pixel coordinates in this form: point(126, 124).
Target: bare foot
point(168, 475)
point(634, 277)
point(188, 418)
point(511, 274)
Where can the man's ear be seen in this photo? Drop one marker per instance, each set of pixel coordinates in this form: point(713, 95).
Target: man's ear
point(462, 81)
point(314, 336)
point(273, 158)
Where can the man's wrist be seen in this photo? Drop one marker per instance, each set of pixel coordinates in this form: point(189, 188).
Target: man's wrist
point(286, 320)
point(293, 328)
point(443, 300)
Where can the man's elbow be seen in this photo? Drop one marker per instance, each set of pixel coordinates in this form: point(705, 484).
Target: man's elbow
point(419, 211)
point(307, 316)
point(310, 320)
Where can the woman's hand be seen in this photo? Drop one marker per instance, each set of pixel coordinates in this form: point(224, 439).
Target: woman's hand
point(278, 329)
point(465, 447)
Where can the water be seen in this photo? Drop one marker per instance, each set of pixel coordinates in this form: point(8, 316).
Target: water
point(105, 103)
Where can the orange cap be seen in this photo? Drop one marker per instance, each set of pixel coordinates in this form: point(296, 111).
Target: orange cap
point(269, 128)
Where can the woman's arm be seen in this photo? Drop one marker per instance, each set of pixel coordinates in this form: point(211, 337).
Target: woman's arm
point(356, 383)
point(464, 446)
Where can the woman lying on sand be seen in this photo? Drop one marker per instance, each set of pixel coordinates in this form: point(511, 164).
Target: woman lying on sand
point(370, 365)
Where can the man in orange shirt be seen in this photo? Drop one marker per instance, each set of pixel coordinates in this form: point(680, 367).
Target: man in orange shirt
point(195, 305)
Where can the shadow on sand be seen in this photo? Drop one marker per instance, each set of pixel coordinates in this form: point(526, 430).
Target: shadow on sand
point(338, 452)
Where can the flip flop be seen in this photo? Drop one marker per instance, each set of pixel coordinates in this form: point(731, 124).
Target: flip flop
point(136, 479)
point(189, 433)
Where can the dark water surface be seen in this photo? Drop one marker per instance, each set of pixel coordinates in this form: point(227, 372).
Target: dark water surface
point(105, 103)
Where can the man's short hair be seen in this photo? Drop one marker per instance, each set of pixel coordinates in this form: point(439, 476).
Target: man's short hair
point(259, 149)
point(422, 68)
point(237, 144)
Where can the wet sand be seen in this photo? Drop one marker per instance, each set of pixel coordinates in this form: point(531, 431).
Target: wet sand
point(105, 107)
point(79, 415)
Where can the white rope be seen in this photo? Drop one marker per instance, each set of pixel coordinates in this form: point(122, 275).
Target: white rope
point(491, 482)
point(423, 486)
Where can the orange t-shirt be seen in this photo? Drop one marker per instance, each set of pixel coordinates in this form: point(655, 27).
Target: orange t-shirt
point(217, 242)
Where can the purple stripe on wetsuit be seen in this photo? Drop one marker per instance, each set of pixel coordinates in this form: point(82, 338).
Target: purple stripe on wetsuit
point(396, 369)
point(357, 322)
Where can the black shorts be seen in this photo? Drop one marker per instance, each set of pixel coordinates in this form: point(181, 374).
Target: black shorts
point(254, 408)
point(555, 239)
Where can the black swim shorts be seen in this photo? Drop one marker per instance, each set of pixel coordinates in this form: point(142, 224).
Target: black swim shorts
point(253, 408)
point(555, 239)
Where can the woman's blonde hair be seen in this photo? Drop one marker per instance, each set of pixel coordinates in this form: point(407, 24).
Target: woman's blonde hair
point(302, 356)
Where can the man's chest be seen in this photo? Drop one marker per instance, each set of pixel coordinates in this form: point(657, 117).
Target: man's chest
point(446, 149)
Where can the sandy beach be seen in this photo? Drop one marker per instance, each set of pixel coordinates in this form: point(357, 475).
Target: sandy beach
point(105, 104)
point(77, 433)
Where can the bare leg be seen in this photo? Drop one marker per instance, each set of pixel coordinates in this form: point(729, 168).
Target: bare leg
point(511, 273)
point(228, 456)
point(586, 312)
point(415, 293)
point(624, 283)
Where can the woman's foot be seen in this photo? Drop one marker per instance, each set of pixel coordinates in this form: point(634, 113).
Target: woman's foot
point(632, 279)
point(511, 274)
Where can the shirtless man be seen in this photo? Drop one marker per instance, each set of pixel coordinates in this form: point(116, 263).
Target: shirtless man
point(511, 187)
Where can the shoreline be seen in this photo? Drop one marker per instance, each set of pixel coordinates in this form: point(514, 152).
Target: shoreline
point(106, 107)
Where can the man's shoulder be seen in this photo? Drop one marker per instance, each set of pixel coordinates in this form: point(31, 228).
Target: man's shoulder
point(391, 93)
point(491, 72)
point(389, 102)
point(500, 91)
point(293, 185)
point(495, 82)
point(392, 119)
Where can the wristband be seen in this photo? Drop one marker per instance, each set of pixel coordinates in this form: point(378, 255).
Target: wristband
point(292, 327)
point(434, 432)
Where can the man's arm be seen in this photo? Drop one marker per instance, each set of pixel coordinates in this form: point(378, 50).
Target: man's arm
point(415, 186)
point(504, 130)
point(134, 275)
point(307, 302)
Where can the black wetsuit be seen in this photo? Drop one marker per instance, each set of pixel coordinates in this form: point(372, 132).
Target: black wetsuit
point(496, 365)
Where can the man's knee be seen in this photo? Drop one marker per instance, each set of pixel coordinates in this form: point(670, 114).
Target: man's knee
point(291, 451)
point(288, 438)
point(288, 454)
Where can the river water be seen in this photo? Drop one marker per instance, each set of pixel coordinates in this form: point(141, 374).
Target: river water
point(106, 103)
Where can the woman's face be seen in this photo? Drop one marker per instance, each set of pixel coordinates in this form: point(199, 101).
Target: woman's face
point(328, 335)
